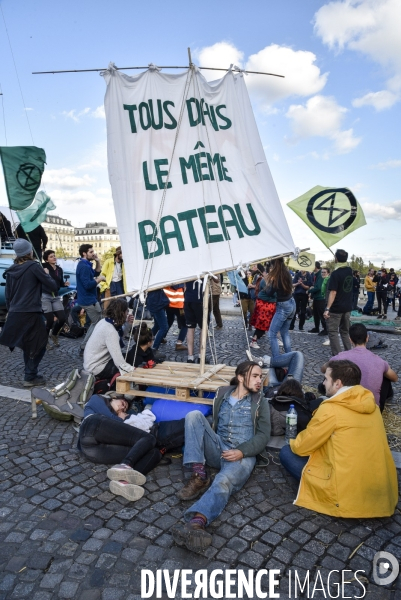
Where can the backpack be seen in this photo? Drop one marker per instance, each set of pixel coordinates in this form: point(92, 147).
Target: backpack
point(279, 406)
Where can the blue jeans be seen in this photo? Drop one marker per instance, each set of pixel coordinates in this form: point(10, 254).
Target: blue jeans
point(293, 463)
point(160, 328)
point(281, 323)
point(203, 445)
point(116, 288)
point(31, 364)
point(369, 304)
point(293, 361)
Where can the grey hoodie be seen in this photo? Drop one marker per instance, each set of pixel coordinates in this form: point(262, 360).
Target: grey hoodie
point(24, 287)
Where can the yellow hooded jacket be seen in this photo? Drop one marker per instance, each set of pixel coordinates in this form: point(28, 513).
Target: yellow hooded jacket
point(107, 271)
point(350, 472)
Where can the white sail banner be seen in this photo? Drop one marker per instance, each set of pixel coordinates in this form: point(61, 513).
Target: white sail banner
point(191, 187)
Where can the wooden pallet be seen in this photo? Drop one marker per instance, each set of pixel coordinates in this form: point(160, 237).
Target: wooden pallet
point(182, 377)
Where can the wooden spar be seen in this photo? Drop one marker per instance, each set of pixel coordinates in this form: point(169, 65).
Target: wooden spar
point(164, 67)
point(230, 268)
point(205, 328)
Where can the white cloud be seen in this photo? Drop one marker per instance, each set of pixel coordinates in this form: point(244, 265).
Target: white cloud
point(390, 164)
point(379, 100)
point(220, 55)
point(372, 28)
point(302, 76)
point(66, 198)
point(383, 211)
point(74, 115)
point(26, 108)
point(65, 178)
point(99, 113)
point(321, 116)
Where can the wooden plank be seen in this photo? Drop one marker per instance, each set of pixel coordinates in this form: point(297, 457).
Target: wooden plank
point(122, 386)
point(207, 375)
point(192, 399)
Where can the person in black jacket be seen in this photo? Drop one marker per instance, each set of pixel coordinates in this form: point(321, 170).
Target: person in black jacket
point(25, 326)
point(37, 237)
point(6, 233)
point(51, 303)
point(382, 283)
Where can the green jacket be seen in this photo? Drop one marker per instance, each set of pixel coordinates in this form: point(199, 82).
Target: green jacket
point(316, 290)
point(260, 411)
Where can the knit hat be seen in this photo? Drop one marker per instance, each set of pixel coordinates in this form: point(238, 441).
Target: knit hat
point(22, 247)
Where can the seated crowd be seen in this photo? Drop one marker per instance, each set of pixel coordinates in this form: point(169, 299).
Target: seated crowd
point(339, 434)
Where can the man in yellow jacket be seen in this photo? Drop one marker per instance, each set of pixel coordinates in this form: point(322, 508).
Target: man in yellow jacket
point(342, 458)
point(114, 272)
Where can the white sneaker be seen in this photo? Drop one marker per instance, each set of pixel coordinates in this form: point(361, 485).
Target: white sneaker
point(326, 343)
point(127, 490)
point(255, 359)
point(126, 473)
point(280, 343)
point(254, 345)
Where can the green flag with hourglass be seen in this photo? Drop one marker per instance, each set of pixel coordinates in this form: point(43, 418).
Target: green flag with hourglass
point(23, 168)
point(331, 213)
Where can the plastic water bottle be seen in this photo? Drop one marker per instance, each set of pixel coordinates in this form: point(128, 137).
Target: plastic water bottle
point(291, 420)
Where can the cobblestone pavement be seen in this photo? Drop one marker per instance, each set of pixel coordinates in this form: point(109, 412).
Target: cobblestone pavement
point(64, 535)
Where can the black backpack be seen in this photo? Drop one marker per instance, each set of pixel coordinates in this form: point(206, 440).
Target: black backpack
point(280, 405)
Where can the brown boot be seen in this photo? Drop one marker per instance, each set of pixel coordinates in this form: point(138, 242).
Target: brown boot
point(191, 535)
point(193, 488)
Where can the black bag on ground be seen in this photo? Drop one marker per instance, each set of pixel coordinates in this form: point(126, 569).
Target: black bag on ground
point(280, 405)
point(170, 434)
point(72, 331)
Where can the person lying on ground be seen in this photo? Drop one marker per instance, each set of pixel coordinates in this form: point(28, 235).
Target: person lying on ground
point(342, 459)
point(240, 432)
point(104, 438)
point(102, 355)
point(376, 374)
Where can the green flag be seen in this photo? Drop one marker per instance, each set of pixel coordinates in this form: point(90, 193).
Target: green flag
point(331, 213)
point(33, 216)
point(23, 167)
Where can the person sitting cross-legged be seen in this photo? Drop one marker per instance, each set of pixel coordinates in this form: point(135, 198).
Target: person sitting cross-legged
point(377, 375)
point(240, 432)
point(342, 458)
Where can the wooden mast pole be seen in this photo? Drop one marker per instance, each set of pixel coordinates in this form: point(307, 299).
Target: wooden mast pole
point(205, 329)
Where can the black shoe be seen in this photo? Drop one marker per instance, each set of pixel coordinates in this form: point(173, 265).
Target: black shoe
point(314, 330)
point(323, 332)
point(39, 380)
point(164, 341)
point(384, 317)
point(290, 328)
point(301, 329)
point(379, 317)
point(191, 360)
point(207, 361)
point(81, 352)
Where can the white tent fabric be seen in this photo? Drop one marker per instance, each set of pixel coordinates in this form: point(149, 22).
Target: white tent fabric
point(220, 207)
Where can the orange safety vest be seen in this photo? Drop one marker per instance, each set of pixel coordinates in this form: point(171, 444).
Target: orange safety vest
point(175, 297)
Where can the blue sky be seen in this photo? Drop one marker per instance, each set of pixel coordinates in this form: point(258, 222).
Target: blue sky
point(334, 120)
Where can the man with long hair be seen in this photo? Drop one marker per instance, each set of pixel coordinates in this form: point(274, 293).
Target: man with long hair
point(25, 326)
point(240, 432)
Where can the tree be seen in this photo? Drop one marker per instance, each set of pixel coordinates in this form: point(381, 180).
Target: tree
point(108, 254)
point(59, 252)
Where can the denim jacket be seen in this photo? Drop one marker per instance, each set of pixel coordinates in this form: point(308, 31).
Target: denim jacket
point(260, 412)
